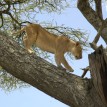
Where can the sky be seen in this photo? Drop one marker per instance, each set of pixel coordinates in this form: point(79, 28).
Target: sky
point(32, 97)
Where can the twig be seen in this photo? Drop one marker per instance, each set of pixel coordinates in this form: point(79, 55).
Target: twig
point(26, 22)
point(6, 10)
point(50, 4)
point(1, 16)
point(85, 71)
point(13, 18)
point(55, 29)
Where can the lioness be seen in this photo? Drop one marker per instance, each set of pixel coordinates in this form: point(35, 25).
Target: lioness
point(58, 45)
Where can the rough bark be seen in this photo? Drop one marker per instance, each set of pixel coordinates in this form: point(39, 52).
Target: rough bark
point(64, 86)
point(98, 63)
point(92, 16)
point(98, 67)
point(98, 5)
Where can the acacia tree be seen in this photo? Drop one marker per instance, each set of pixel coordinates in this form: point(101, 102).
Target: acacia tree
point(64, 86)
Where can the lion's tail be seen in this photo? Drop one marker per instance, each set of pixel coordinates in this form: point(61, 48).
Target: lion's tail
point(19, 31)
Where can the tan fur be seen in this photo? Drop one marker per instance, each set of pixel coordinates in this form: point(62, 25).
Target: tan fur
point(58, 45)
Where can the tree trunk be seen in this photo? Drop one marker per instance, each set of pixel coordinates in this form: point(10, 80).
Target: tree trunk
point(64, 86)
point(98, 67)
point(98, 60)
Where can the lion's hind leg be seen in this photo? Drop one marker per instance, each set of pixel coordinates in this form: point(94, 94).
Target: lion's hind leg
point(28, 44)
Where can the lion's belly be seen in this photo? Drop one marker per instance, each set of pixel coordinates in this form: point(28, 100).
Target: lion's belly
point(46, 46)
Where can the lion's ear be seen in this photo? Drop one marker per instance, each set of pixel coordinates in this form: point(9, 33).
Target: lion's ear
point(77, 43)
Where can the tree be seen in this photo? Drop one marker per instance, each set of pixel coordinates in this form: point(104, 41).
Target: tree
point(64, 86)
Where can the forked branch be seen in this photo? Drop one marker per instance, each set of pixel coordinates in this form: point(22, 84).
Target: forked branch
point(93, 44)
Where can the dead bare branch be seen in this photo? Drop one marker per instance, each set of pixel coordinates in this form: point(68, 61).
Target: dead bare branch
point(94, 43)
point(85, 71)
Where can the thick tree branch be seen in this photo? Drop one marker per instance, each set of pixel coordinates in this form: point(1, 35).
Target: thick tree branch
point(89, 13)
point(98, 4)
point(92, 17)
point(66, 87)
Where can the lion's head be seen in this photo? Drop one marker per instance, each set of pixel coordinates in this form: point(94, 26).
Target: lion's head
point(77, 50)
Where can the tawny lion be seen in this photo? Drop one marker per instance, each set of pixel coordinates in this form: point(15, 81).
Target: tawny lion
point(58, 45)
